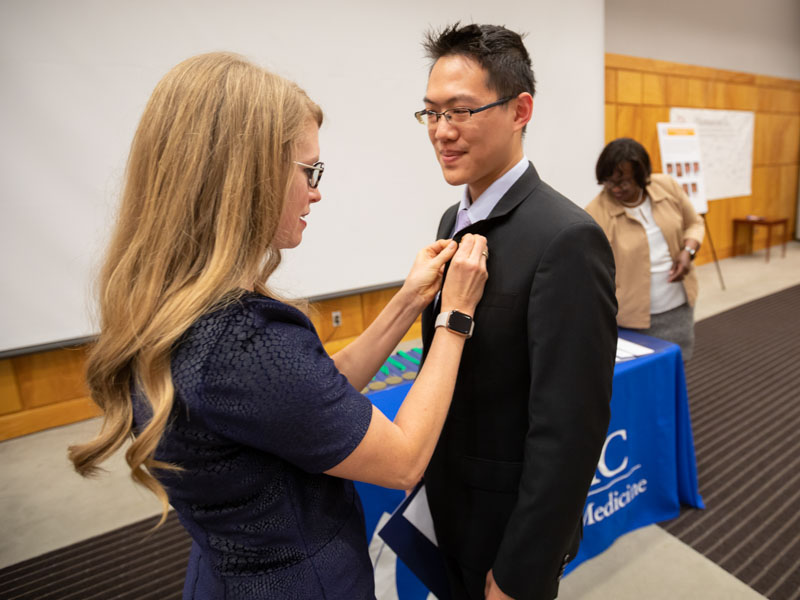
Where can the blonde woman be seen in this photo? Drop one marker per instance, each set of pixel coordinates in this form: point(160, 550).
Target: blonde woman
point(238, 417)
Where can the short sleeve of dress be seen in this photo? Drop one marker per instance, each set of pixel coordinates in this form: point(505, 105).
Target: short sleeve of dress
point(268, 383)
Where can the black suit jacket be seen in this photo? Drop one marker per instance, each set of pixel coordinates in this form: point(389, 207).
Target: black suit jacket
point(510, 474)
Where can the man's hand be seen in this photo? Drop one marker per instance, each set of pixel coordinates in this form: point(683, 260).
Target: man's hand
point(491, 591)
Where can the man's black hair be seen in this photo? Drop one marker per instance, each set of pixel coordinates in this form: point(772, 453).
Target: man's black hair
point(498, 50)
point(624, 150)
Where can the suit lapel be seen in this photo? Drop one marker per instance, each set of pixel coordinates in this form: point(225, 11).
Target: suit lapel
point(447, 222)
point(516, 194)
point(522, 188)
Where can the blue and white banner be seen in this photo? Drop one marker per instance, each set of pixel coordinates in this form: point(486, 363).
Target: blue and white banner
point(647, 468)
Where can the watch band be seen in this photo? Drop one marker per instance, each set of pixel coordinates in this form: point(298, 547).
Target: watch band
point(457, 322)
point(691, 251)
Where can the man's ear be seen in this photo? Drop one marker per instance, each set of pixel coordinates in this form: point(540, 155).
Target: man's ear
point(524, 110)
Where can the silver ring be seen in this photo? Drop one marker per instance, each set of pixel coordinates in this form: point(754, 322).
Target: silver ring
point(486, 254)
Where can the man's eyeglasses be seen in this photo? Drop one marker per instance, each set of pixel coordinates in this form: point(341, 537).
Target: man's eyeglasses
point(456, 115)
point(623, 184)
point(313, 172)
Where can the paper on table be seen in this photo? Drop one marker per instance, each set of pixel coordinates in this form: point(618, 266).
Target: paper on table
point(626, 350)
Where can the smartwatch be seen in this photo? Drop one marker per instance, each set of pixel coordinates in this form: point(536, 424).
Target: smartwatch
point(691, 251)
point(457, 322)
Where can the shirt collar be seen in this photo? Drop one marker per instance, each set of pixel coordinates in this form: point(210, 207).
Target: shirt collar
point(656, 193)
point(485, 203)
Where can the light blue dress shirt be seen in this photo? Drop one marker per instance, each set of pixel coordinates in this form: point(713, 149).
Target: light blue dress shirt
point(485, 203)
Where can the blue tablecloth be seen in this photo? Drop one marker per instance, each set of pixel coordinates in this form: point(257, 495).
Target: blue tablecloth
point(646, 472)
point(648, 466)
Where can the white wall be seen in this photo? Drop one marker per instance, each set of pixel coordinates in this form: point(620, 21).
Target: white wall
point(76, 76)
point(752, 36)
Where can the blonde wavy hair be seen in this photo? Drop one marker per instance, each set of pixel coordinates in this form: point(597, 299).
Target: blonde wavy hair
point(207, 176)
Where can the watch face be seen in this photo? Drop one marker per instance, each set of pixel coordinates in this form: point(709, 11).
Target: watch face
point(460, 322)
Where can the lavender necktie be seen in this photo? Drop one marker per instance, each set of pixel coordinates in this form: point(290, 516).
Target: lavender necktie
point(462, 220)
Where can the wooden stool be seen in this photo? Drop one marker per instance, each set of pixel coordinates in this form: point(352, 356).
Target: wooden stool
point(769, 222)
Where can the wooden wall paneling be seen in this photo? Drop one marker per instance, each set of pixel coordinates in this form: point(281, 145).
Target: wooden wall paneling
point(719, 219)
point(712, 225)
point(45, 417)
point(738, 207)
point(767, 81)
point(742, 96)
point(788, 144)
point(719, 223)
point(9, 391)
point(778, 100)
point(704, 254)
point(611, 85)
point(654, 89)
point(629, 87)
point(51, 377)
point(765, 199)
point(777, 139)
point(793, 102)
point(334, 346)
point(724, 212)
point(767, 99)
point(372, 303)
point(623, 61)
point(699, 92)
point(677, 91)
point(650, 116)
point(414, 332)
point(732, 96)
point(789, 178)
point(629, 121)
point(770, 203)
point(762, 138)
point(650, 65)
point(352, 319)
point(611, 122)
point(688, 92)
point(714, 217)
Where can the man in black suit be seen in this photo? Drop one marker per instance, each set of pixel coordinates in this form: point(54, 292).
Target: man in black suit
point(510, 474)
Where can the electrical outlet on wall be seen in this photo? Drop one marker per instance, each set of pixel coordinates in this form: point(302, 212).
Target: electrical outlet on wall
point(336, 318)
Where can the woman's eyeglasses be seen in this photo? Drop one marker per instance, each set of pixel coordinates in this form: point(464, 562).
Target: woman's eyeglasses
point(313, 172)
point(623, 184)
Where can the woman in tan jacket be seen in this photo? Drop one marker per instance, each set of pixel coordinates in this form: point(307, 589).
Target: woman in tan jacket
point(655, 233)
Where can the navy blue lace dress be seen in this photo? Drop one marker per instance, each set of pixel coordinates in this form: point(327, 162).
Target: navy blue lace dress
point(260, 412)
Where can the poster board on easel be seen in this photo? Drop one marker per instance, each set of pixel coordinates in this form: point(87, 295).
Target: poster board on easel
point(679, 144)
point(681, 158)
point(726, 144)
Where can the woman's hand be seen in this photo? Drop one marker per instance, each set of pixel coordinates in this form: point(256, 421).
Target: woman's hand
point(680, 268)
point(467, 275)
point(425, 278)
